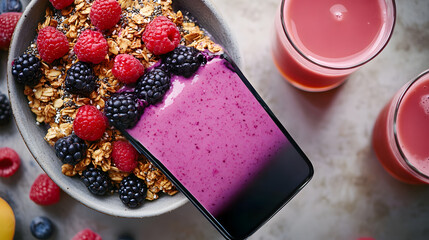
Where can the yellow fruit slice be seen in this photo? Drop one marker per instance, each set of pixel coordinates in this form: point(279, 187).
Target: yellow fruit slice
point(7, 221)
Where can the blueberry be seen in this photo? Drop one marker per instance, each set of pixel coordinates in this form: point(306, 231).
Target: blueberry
point(125, 237)
point(11, 6)
point(41, 227)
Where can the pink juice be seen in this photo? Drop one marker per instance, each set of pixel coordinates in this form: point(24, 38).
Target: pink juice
point(318, 44)
point(401, 133)
point(213, 125)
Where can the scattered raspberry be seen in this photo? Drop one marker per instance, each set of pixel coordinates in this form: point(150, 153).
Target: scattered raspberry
point(86, 234)
point(127, 68)
point(9, 162)
point(8, 22)
point(60, 4)
point(51, 44)
point(91, 47)
point(124, 156)
point(105, 13)
point(89, 123)
point(161, 36)
point(44, 191)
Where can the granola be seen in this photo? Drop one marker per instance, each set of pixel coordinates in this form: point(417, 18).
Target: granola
point(57, 109)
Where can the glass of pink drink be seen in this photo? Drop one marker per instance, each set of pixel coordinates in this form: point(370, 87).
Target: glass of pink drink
point(318, 44)
point(401, 132)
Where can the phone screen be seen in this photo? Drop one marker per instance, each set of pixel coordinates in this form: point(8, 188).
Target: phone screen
point(219, 143)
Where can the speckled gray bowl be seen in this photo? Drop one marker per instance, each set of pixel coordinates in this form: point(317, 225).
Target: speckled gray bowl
point(33, 134)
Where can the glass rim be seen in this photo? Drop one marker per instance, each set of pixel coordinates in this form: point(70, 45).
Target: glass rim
point(282, 19)
point(395, 118)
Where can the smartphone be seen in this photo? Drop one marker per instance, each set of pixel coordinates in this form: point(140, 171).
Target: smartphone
point(218, 142)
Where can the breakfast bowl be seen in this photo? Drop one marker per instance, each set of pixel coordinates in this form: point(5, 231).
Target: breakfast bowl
point(33, 134)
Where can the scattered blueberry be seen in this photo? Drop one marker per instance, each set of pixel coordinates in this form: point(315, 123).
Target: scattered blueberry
point(11, 6)
point(41, 227)
point(125, 237)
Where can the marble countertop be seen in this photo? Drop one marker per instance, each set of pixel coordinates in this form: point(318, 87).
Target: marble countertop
point(350, 195)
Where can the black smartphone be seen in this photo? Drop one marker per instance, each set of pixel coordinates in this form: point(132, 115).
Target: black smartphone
point(221, 146)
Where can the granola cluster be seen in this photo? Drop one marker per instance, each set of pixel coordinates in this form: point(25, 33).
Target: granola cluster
point(57, 109)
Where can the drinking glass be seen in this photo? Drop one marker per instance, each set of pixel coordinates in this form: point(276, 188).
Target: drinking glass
point(318, 44)
point(401, 132)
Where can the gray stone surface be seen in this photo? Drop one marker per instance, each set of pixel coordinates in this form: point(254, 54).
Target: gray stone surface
point(350, 195)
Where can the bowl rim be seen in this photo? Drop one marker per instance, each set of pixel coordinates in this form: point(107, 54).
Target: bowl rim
point(126, 213)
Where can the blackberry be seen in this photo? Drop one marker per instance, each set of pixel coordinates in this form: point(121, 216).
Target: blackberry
point(70, 149)
point(152, 86)
point(184, 61)
point(80, 79)
point(27, 70)
point(132, 191)
point(123, 110)
point(5, 110)
point(96, 180)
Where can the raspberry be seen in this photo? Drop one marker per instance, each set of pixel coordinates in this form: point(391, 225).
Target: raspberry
point(70, 149)
point(44, 191)
point(127, 68)
point(91, 47)
point(184, 61)
point(161, 36)
point(89, 123)
point(152, 86)
point(86, 234)
point(132, 191)
point(51, 44)
point(26, 69)
point(124, 156)
point(123, 110)
point(60, 4)
point(8, 22)
point(80, 79)
point(97, 181)
point(9, 162)
point(5, 110)
point(105, 13)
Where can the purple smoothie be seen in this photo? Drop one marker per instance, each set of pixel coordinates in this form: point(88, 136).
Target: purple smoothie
point(211, 133)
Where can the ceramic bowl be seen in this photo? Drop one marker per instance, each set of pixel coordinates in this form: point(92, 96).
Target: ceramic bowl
point(206, 16)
